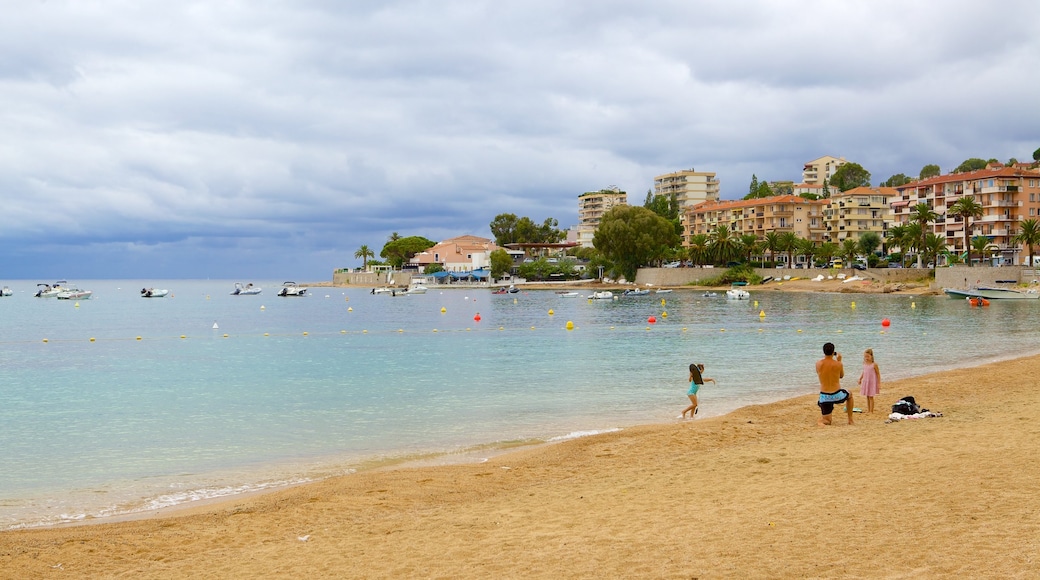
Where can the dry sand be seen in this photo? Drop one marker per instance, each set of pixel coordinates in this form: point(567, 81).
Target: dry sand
point(759, 493)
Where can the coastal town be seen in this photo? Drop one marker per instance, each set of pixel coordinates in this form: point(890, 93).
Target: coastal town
point(983, 213)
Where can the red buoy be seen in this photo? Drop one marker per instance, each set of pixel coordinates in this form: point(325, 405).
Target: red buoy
point(477, 317)
point(652, 319)
point(886, 322)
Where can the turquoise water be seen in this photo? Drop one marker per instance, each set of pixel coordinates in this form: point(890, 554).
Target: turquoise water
point(293, 389)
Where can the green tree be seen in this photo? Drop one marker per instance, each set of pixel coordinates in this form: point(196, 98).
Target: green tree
point(868, 243)
point(849, 176)
point(897, 235)
point(827, 251)
point(896, 180)
point(364, 252)
point(789, 244)
point(808, 249)
point(967, 209)
point(1028, 234)
point(401, 250)
point(772, 243)
point(501, 263)
point(1036, 154)
point(972, 164)
point(922, 214)
point(666, 206)
point(723, 246)
point(913, 240)
point(632, 236)
point(848, 251)
point(507, 228)
point(698, 249)
point(753, 188)
point(748, 245)
point(433, 268)
point(930, 170)
point(934, 245)
point(979, 246)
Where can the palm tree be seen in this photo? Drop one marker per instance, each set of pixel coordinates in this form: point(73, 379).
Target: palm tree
point(849, 248)
point(722, 245)
point(966, 208)
point(789, 243)
point(698, 248)
point(979, 244)
point(749, 245)
point(922, 214)
point(933, 246)
point(807, 248)
point(912, 241)
point(1028, 234)
point(772, 243)
point(896, 234)
point(364, 252)
point(827, 251)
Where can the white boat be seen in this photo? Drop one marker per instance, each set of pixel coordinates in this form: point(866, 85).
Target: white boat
point(383, 290)
point(663, 291)
point(49, 290)
point(636, 292)
point(74, 294)
point(602, 295)
point(292, 289)
point(415, 289)
point(992, 293)
point(247, 290)
point(738, 294)
point(5, 291)
point(709, 294)
point(153, 292)
point(568, 294)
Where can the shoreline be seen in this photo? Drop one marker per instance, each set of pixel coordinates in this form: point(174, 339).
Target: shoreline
point(628, 502)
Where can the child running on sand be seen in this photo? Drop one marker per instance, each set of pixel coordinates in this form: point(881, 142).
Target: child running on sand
point(869, 379)
point(696, 382)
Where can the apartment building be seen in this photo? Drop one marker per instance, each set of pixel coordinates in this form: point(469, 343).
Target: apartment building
point(688, 187)
point(852, 213)
point(783, 213)
point(1007, 195)
point(591, 207)
point(817, 171)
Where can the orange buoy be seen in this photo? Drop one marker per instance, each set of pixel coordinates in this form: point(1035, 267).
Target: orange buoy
point(886, 323)
point(477, 317)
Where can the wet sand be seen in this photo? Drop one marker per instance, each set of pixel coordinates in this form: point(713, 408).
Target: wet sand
point(760, 493)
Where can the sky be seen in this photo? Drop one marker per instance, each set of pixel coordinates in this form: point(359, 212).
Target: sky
point(272, 139)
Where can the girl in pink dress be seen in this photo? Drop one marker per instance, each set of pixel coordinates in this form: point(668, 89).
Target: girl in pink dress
point(869, 379)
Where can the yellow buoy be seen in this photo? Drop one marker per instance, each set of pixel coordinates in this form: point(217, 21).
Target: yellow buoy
point(343, 332)
point(551, 312)
point(305, 333)
point(262, 307)
point(45, 340)
point(799, 330)
point(913, 305)
point(225, 335)
point(266, 334)
point(92, 339)
point(662, 302)
point(400, 330)
point(350, 309)
point(138, 338)
point(570, 325)
point(684, 329)
point(853, 304)
point(761, 313)
point(664, 315)
point(756, 303)
point(76, 305)
point(182, 336)
point(435, 330)
point(364, 331)
point(443, 310)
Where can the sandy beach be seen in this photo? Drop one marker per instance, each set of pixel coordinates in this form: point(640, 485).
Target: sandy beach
point(760, 493)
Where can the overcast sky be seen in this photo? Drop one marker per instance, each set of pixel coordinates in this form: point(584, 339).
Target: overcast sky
point(271, 139)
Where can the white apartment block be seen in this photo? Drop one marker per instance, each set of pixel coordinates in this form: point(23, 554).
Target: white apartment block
point(688, 187)
point(591, 207)
point(817, 171)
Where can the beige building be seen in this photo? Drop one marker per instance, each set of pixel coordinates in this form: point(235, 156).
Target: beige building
point(688, 187)
point(591, 207)
point(1007, 195)
point(817, 171)
point(852, 213)
point(784, 213)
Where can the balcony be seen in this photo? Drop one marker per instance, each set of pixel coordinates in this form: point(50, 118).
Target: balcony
point(998, 189)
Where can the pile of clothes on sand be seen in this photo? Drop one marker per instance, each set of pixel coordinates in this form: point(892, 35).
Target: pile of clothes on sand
point(907, 408)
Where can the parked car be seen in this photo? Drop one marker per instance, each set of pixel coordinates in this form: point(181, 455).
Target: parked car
point(858, 267)
point(673, 264)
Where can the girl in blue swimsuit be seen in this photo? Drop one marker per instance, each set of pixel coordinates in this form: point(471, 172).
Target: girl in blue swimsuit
point(696, 381)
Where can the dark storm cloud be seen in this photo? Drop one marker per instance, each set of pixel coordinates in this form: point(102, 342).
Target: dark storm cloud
point(275, 138)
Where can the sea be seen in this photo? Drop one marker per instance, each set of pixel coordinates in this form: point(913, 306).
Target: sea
point(122, 405)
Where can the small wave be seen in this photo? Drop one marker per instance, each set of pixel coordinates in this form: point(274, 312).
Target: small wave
point(577, 434)
point(204, 493)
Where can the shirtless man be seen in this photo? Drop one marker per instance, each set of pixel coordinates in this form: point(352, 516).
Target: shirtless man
point(830, 370)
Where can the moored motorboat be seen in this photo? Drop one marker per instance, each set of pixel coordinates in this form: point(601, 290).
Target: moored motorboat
point(992, 293)
point(292, 289)
point(49, 290)
point(602, 295)
point(154, 292)
point(74, 294)
point(636, 292)
point(568, 294)
point(247, 290)
point(5, 291)
point(737, 294)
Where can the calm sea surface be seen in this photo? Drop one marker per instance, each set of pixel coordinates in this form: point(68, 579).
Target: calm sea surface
point(162, 408)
